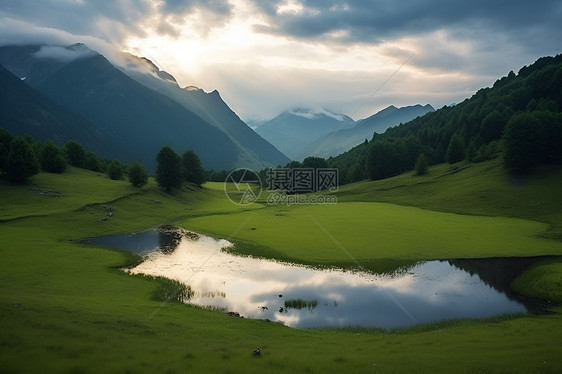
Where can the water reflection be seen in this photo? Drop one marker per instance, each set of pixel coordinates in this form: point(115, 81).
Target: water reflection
point(427, 292)
point(164, 238)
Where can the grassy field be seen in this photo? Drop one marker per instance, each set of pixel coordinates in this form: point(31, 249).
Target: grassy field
point(66, 307)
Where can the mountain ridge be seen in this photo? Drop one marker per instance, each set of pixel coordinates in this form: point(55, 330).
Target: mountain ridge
point(293, 129)
point(141, 119)
point(209, 106)
point(24, 110)
point(340, 141)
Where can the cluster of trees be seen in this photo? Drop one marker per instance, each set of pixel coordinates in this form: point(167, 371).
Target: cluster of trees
point(172, 169)
point(518, 117)
point(22, 157)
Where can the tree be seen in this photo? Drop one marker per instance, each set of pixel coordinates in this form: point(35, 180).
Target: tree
point(531, 139)
point(115, 169)
point(168, 169)
point(382, 160)
point(51, 158)
point(314, 162)
point(455, 150)
point(75, 153)
point(421, 165)
point(294, 165)
point(137, 174)
point(21, 162)
point(92, 162)
point(492, 126)
point(192, 168)
point(5, 138)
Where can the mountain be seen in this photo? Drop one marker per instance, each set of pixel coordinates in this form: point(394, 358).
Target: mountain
point(337, 142)
point(254, 150)
point(140, 119)
point(292, 130)
point(24, 110)
point(519, 117)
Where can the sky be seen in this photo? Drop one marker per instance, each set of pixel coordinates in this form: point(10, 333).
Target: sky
point(266, 56)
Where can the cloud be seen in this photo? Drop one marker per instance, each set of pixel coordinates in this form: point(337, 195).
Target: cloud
point(260, 93)
point(463, 31)
point(64, 54)
point(315, 113)
point(379, 20)
point(115, 20)
point(267, 56)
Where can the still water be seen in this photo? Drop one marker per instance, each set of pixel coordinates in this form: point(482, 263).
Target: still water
point(304, 297)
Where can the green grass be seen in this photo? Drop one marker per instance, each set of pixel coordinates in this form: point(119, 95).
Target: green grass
point(363, 231)
point(67, 308)
point(476, 189)
point(543, 281)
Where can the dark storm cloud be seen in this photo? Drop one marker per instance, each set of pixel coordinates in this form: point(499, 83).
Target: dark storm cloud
point(378, 20)
point(111, 20)
point(182, 6)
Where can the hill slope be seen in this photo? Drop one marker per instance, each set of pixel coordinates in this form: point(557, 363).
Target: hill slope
point(529, 103)
point(140, 119)
point(24, 110)
point(254, 150)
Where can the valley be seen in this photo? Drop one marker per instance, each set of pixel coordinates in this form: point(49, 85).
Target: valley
point(85, 308)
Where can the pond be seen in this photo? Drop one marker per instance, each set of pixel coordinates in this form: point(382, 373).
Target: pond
point(305, 297)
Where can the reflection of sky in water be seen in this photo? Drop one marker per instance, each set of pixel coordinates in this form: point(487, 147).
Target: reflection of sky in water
point(427, 292)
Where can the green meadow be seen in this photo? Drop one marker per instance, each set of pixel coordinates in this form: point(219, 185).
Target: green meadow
point(68, 308)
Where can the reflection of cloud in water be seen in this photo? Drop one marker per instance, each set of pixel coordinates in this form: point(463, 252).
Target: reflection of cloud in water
point(428, 292)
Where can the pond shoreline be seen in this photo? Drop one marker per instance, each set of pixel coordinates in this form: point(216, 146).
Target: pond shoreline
point(172, 236)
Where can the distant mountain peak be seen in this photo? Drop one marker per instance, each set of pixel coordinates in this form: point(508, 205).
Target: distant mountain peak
point(146, 65)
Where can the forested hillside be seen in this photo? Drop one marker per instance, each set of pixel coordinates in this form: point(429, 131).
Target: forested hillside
point(518, 118)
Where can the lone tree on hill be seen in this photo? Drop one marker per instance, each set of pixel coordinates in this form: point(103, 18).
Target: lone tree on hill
point(115, 170)
point(168, 169)
point(192, 168)
point(137, 174)
point(21, 162)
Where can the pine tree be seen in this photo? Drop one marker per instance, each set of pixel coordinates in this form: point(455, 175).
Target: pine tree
point(168, 169)
point(192, 168)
